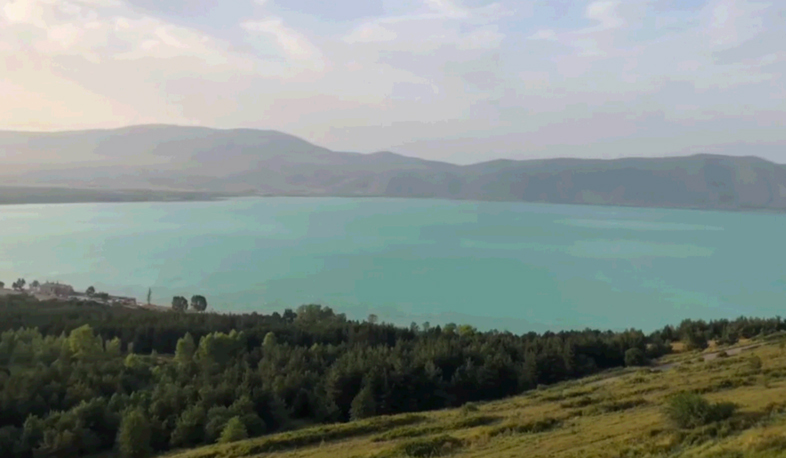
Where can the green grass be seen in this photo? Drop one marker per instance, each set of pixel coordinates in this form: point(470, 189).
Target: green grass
point(619, 414)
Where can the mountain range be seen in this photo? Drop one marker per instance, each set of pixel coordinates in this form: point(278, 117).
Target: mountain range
point(198, 161)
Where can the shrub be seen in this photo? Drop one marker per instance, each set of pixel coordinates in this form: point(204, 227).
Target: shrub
point(469, 408)
point(754, 363)
point(475, 421)
point(234, 431)
point(436, 446)
point(690, 410)
point(635, 357)
point(537, 426)
point(134, 435)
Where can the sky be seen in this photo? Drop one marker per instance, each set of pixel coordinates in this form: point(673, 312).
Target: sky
point(456, 80)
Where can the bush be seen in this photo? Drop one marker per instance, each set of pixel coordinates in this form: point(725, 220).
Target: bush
point(472, 422)
point(234, 431)
point(532, 427)
point(754, 363)
point(469, 408)
point(635, 357)
point(425, 448)
point(134, 436)
point(690, 410)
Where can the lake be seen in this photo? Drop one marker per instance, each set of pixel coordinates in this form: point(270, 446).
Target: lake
point(507, 266)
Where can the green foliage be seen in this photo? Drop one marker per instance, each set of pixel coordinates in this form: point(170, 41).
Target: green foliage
point(199, 303)
point(19, 284)
point(83, 343)
point(179, 304)
point(754, 363)
point(364, 405)
point(469, 408)
point(526, 427)
point(83, 366)
point(190, 426)
point(635, 357)
point(234, 431)
point(186, 348)
point(436, 446)
point(695, 339)
point(134, 437)
point(690, 410)
point(90, 291)
point(270, 340)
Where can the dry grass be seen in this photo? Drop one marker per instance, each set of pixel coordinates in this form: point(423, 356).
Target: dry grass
point(613, 415)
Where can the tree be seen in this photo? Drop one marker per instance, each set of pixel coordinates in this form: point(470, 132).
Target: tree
point(2, 285)
point(19, 285)
point(189, 428)
point(234, 431)
point(696, 340)
point(83, 343)
point(185, 349)
point(90, 291)
point(149, 295)
point(179, 304)
point(35, 284)
point(199, 303)
point(364, 405)
point(635, 357)
point(134, 436)
point(269, 341)
point(373, 319)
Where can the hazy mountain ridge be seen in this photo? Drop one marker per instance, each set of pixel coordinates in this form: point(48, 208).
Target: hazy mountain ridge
point(273, 163)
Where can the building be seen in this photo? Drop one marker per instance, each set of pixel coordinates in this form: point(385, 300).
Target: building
point(118, 300)
point(56, 289)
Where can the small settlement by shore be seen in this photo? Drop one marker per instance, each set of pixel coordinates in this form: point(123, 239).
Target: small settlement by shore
point(64, 292)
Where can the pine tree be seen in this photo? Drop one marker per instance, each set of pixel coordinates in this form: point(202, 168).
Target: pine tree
point(134, 436)
point(234, 431)
point(184, 352)
point(364, 405)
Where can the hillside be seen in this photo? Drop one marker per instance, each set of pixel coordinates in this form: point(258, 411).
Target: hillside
point(273, 163)
point(81, 379)
point(615, 414)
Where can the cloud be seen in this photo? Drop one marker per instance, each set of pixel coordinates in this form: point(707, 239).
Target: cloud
point(294, 44)
point(463, 80)
point(544, 34)
point(448, 8)
point(605, 12)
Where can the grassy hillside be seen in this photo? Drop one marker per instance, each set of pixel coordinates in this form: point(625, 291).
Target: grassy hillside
point(614, 414)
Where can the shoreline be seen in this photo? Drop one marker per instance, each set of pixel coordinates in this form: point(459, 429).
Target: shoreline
point(93, 196)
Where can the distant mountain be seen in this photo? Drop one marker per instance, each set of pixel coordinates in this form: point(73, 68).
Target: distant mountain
point(242, 161)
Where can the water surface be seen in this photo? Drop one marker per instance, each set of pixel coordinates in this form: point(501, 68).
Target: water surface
point(513, 266)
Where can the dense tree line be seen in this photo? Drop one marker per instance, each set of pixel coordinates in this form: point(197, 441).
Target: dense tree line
point(82, 378)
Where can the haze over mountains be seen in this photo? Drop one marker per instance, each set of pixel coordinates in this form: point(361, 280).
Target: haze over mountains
point(259, 162)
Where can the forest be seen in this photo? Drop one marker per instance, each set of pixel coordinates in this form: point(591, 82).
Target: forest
point(77, 379)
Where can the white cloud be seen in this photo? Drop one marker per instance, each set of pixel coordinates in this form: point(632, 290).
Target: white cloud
point(371, 32)
point(732, 22)
point(605, 12)
point(544, 34)
point(294, 44)
point(438, 76)
point(448, 8)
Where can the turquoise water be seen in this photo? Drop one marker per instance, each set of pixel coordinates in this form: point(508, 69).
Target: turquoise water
point(511, 266)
